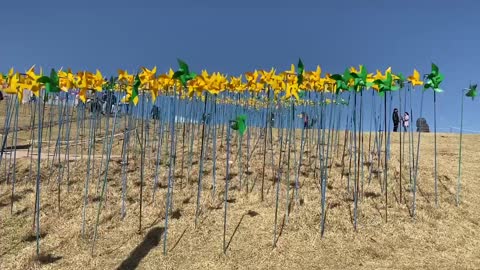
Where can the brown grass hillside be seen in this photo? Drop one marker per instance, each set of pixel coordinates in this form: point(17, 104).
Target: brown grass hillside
point(443, 237)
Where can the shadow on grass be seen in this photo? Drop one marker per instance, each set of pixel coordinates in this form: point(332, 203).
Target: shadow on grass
point(151, 240)
point(48, 258)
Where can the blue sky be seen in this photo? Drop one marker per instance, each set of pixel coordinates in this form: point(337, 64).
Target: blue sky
point(237, 36)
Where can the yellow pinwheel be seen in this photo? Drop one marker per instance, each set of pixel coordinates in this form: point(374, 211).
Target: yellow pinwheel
point(251, 78)
point(292, 89)
point(415, 78)
point(83, 84)
point(166, 80)
point(97, 81)
point(330, 85)
point(267, 77)
point(31, 81)
point(3, 80)
point(147, 75)
point(66, 80)
point(197, 85)
point(149, 81)
point(14, 86)
point(235, 84)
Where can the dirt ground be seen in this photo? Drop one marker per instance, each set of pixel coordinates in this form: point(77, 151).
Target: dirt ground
point(443, 237)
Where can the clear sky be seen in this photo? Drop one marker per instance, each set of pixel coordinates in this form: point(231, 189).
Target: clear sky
point(237, 36)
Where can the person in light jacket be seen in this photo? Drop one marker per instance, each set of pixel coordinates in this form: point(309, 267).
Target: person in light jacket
point(406, 121)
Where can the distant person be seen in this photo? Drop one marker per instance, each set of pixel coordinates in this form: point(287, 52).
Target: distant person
point(305, 120)
point(406, 121)
point(396, 120)
point(1, 95)
point(313, 122)
point(155, 112)
point(109, 102)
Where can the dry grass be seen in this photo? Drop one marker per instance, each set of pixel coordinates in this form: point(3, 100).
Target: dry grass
point(447, 237)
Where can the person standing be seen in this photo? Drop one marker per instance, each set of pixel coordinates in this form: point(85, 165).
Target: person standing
point(155, 112)
point(271, 120)
point(406, 121)
point(305, 120)
point(396, 120)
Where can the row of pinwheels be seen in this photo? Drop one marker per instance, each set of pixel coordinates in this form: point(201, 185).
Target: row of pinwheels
point(291, 82)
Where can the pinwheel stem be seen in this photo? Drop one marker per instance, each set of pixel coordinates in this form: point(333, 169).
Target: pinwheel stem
point(352, 139)
point(416, 164)
point(386, 159)
point(345, 138)
point(57, 148)
point(435, 144)
point(126, 139)
point(6, 128)
point(359, 148)
point(184, 131)
point(190, 150)
point(291, 130)
point(411, 148)
point(158, 159)
point(170, 170)
point(79, 131)
point(240, 169)
point(104, 150)
point(354, 153)
point(15, 134)
point(142, 161)
point(67, 139)
point(37, 188)
point(32, 137)
point(337, 132)
point(87, 178)
point(247, 156)
point(202, 154)
point(324, 179)
point(50, 124)
point(214, 147)
point(227, 181)
point(299, 164)
point(104, 186)
point(277, 193)
point(400, 146)
point(459, 178)
point(370, 150)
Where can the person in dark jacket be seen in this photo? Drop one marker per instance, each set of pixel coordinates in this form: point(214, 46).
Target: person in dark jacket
point(109, 100)
point(305, 120)
point(272, 119)
point(396, 120)
point(155, 112)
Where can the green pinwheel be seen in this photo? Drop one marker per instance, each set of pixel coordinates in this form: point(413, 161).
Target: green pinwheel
point(136, 85)
point(110, 84)
point(400, 80)
point(434, 79)
point(360, 79)
point(472, 91)
point(51, 83)
point(300, 68)
point(239, 124)
point(301, 94)
point(342, 80)
point(183, 73)
point(386, 85)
